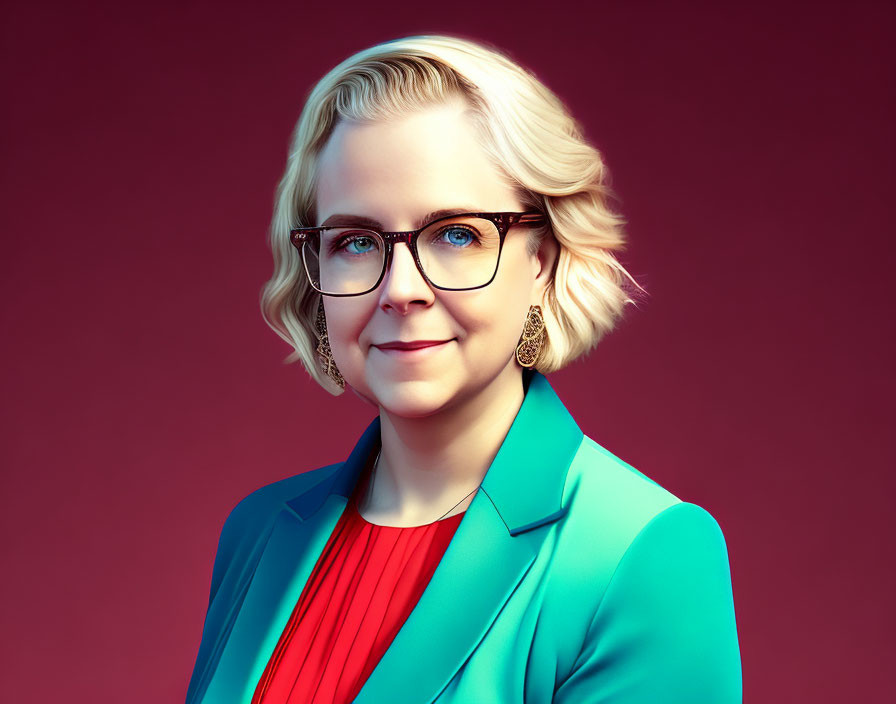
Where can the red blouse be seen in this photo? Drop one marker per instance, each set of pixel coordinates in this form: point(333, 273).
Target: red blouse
point(362, 589)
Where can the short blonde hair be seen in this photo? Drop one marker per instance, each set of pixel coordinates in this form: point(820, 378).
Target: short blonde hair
point(532, 139)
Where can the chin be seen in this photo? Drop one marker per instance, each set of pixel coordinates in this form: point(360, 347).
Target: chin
point(412, 398)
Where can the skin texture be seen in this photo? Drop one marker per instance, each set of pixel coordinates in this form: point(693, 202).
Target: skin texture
point(445, 414)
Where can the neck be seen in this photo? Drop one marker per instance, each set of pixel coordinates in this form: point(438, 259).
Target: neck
point(428, 464)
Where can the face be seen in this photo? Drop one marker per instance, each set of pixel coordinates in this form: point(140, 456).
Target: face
point(395, 173)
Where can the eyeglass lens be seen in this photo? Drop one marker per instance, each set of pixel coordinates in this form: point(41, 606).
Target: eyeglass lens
point(461, 252)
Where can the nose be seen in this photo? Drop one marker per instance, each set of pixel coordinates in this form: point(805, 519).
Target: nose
point(403, 284)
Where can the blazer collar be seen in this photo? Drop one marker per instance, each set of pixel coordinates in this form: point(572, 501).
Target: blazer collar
point(525, 480)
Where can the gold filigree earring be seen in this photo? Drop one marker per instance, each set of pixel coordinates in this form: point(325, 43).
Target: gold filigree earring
point(324, 353)
point(532, 339)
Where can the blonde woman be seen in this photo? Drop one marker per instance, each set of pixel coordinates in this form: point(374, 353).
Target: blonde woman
point(442, 239)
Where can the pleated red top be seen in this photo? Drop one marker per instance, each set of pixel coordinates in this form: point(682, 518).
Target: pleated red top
point(362, 589)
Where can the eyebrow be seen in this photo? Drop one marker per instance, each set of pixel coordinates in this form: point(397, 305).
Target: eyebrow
point(341, 220)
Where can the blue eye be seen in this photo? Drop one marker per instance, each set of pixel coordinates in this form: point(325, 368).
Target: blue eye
point(458, 236)
point(357, 244)
point(363, 241)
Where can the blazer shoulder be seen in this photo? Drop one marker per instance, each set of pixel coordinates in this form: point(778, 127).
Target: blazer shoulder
point(266, 501)
point(638, 493)
point(604, 479)
point(611, 507)
point(608, 503)
point(249, 521)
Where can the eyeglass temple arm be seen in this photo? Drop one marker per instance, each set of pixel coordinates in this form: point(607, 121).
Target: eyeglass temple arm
point(531, 218)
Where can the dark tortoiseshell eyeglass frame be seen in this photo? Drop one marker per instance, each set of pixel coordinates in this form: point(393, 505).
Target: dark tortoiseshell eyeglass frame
point(301, 236)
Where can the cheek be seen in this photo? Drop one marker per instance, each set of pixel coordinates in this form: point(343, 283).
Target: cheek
point(493, 323)
point(345, 327)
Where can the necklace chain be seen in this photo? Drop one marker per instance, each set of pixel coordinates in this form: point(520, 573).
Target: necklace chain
point(376, 465)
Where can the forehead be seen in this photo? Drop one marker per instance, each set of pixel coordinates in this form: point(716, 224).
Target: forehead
point(395, 170)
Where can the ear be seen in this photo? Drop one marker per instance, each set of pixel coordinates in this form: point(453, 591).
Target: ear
point(545, 262)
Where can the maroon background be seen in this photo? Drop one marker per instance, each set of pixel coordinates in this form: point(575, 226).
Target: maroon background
point(143, 396)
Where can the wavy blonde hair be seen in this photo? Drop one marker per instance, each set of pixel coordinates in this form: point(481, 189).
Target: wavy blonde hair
point(528, 133)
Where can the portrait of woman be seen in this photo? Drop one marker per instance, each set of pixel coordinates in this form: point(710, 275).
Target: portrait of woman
point(443, 240)
point(415, 354)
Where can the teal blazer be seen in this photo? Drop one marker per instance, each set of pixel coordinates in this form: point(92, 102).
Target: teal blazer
point(572, 578)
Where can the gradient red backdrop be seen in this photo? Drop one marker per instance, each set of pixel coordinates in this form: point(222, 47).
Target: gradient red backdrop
point(753, 152)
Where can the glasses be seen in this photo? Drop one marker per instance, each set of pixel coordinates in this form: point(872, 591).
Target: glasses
point(453, 253)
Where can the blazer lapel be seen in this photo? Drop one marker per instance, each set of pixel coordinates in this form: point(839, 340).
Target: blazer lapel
point(494, 546)
point(298, 537)
point(496, 542)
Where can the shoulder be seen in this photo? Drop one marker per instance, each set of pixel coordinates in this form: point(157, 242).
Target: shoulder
point(247, 524)
point(608, 495)
point(614, 509)
point(265, 503)
point(646, 568)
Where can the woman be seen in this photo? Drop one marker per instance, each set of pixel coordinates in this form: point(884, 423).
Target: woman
point(441, 240)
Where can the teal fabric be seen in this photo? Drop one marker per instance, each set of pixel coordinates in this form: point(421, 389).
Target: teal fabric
point(572, 578)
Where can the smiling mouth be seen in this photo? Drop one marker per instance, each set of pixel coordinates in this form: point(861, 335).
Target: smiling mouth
point(410, 347)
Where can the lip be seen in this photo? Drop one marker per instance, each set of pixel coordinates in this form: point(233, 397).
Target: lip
point(413, 348)
point(410, 345)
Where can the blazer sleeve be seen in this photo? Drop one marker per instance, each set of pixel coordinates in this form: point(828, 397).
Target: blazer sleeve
point(665, 628)
point(240, 537)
